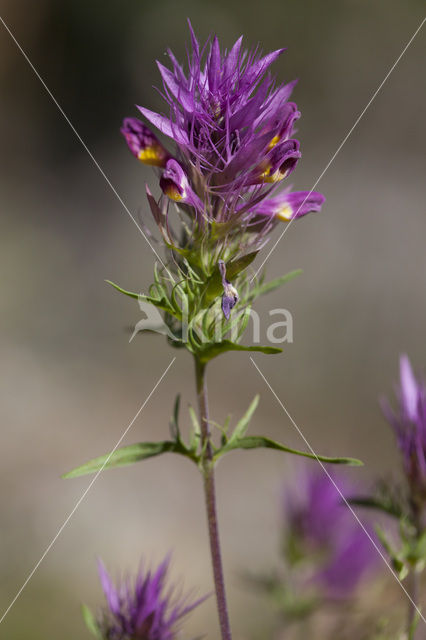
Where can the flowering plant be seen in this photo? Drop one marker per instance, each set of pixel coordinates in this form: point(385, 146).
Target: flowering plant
point(230, 129)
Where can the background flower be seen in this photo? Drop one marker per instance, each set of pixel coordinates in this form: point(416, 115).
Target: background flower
point(409, 424)
point(321, 532)
point(143, 609)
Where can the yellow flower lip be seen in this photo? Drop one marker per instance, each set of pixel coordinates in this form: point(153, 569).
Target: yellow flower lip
point(153, 155)
point(267, 176)
point(275, 140)
point(173, 192)
point(285, 213)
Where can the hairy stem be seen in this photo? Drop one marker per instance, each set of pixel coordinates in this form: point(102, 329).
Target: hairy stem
point(210, 497)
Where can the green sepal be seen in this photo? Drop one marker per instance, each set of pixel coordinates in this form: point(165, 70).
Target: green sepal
point(90, 621)
point(130, 454)
point(261, 442)
point(235, 267)
point(213, 350)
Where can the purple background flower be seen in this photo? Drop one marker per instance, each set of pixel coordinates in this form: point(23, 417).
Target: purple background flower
point(326, 536)
point(145, 608)
point(409, 424)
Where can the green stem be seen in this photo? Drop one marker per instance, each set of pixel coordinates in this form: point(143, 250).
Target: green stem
point(414, 578)
point(210, 498)
point(413, 590)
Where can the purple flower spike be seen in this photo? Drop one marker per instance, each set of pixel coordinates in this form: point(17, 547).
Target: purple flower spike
point(409, 424)
point(143, 143)
point(326, 534)
point(230, 294)
point(232, 126)
point(143, 609)
point(175, 185)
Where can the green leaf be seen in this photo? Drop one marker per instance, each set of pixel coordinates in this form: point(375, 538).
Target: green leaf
point(128, 455)
point(90, 621)
point(242, 425)
point(258, 442)
point(126, 293)
point(195, 436)
point(397, 561)
point(371, 502)
point(213, 350)
point(234, 267)
point(174, 423)
point(276, 283)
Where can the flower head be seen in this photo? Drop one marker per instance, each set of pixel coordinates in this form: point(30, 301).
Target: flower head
point(143, 609)
point(322, 531)
point(232, 127)
point(409, 424)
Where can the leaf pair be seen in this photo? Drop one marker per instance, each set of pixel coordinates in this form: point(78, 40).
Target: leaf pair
point(237, 440)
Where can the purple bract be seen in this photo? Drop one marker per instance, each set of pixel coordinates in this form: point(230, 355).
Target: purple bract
point(409, 424)
point(143, 609)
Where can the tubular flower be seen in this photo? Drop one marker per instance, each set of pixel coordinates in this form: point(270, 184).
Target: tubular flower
point(231, 125)
point(143, 143)
point(321, 530)
point(143, 610)
point(409, 424)
point(290, 205)
point(230, 294)
point(175, 185)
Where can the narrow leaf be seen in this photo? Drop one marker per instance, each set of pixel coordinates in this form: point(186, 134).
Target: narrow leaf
point(258, 442)
point(213, 350)
point(277, 282)
point(370, 502)
point(127, 293)
point(174, 423)
point(124, 456)
point(242, 425)
point(90, 621)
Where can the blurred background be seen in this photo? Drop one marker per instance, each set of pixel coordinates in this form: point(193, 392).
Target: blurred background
point(71, 382)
